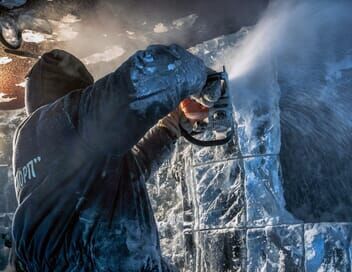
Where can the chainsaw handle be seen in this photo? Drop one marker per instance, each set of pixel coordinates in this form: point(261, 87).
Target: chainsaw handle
point(188, 136)
point(195, 141)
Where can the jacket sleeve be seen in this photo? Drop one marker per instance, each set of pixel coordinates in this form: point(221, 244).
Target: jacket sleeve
point(153, 149)
point(120, 108)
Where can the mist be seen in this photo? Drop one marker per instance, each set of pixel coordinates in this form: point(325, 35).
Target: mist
point(115, 31)
point(295, 65)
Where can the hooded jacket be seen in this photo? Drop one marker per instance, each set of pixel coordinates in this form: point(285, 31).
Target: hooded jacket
point(81, 161)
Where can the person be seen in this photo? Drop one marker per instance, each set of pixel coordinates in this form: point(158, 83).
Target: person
point(83, 154)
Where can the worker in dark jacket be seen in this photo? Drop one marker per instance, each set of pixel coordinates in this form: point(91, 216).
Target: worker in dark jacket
point(82, 157)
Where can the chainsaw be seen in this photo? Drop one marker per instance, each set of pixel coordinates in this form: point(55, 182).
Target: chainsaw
point(219, 120)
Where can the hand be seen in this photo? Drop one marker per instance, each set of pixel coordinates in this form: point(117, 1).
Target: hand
point(210, 93)
point(185, 115)
point(179, 70)
point(193, 111)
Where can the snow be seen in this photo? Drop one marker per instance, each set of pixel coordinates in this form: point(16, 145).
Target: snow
point(5, 60)
point(107, 55)
point(4, 98)
point(160, 28)
point(34, 37)
point(187, 21)
point(309, 237)
point(171, 67)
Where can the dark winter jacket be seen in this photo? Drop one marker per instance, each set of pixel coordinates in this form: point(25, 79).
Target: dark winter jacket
point(81, 163)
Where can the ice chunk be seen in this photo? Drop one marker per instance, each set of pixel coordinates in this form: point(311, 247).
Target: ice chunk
point(160, 28)
point(221, 250)
point(256, 110)
point(276, 248)
point(107, 55)
point(185, 21)
point(166, 189)
point(327, 247)
point(5, 60)
point(34, 37)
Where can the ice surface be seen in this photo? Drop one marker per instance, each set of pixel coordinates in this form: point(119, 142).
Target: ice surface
point(201, 155)
point(328, 247)
point(257, 114)
point(219, 195)
point(5, 227)
point(8, 202)
point(265, 203)
point(229, 188)
point(9, 120)
point(277, 248)
point(275, 239)
point(166, 193)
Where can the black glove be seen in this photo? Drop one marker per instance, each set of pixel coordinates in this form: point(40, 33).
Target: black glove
point(210, 93)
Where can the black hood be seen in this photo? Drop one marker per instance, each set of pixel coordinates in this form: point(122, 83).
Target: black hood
point(56, 74)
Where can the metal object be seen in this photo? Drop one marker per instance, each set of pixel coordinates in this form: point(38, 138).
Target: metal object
point(219, 118)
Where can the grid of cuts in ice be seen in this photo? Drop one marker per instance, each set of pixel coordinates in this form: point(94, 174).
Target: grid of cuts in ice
point(228, 210)
point(228, 188)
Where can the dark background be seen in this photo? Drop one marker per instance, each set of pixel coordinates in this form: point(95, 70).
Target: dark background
point(215, 18)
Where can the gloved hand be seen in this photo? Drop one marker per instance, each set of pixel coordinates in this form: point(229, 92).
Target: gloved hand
point(210, 93)
point(186, 114)
point(171, 68)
